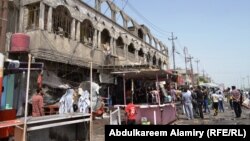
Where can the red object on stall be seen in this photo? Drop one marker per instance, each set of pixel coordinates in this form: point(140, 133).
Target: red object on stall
point(20, 42)
point(4, 116)
point(39, 81)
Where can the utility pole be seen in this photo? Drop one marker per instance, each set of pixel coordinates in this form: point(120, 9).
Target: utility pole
point(173, 48)
point(185, 54)
point(243, 83)
point(197, 61)
point(191, 66)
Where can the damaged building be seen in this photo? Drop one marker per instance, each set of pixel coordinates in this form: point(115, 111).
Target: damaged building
point(69, 35)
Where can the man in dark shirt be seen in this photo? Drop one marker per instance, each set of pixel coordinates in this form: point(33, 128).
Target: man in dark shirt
point(200, 99)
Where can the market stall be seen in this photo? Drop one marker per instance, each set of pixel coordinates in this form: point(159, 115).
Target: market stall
point(154, 112)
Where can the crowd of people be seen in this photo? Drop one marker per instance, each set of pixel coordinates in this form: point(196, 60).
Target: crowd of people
point(199, 100)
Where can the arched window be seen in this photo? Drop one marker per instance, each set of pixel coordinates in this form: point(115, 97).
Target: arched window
point(62, 21)
point(140, 34)
point(120, 47)
point(120, 43)
point(33, 18)
point(131, 48)
point(86, 32)
point(154, 60)
point(105, 39)
point(141, 53)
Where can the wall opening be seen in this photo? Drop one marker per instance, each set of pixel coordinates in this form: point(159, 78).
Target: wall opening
point(62, 21)
point(154, 60)
point(33, 16)
point(105, 39)
point(141, 53)
point(86, 32)
point(140, 34)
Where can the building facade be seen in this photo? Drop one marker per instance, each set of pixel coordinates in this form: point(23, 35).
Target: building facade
point(66, 35)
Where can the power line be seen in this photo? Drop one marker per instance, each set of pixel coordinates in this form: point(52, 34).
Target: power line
point(156, 28)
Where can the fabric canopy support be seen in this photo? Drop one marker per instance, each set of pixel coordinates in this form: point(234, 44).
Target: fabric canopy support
point(148, 74)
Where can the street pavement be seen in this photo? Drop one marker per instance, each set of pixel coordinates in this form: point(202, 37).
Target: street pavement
point(223, 118)
point(99, 128)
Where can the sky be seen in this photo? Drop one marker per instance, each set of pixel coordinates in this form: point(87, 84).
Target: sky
point(216, 32)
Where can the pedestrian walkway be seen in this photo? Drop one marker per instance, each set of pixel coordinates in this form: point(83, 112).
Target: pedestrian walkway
point(99, 129)
point(223, 118)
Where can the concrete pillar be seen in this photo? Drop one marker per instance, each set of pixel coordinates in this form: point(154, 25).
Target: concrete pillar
point(41, 16)
point(78, 31)
point(125, 23)
point(111, 44)
point(144, 58)
point(49, 24)
point(21, 19)
point(136, 55)
point(99, 39)
point(73, 29)
point(113, 17)
point(95, 41)
point(98, 5)
point(114, 47)
point(25, 19)
point(126, 51)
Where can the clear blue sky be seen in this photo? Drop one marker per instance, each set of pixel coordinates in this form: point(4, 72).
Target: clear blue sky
point(217, 32)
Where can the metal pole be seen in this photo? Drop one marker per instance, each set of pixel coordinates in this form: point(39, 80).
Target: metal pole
point(1, 75)
point(197, 61)
point(91, 108)
point(173, 48)
point(124, 89)
point(26, 100)
point(185, 53)
point(132, 90)
point(157, 88)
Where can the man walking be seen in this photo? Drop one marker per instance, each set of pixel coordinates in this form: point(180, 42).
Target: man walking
point(187, 101)
point(236, 101)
